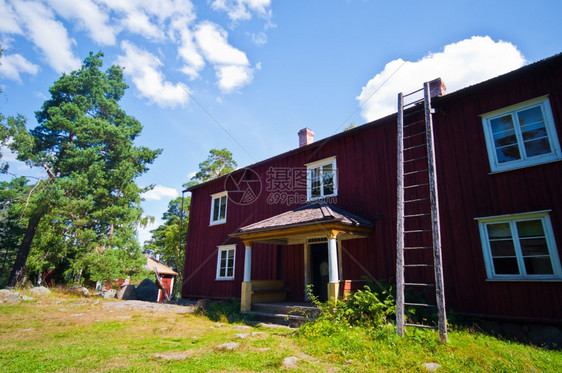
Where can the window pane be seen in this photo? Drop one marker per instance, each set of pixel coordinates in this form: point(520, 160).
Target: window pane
point(538, 265)
point(502, 248)
point(533, 131)
point(510, 153)
point(216, 208)
point(315, 182)
point(502, 124)
point(537, 147)
point(328, 179)
point(506, 266)
point(533, 246)
point(530, 228)
point(530, 116)
point(222, 214)
point(500, 230)
point(222, 272)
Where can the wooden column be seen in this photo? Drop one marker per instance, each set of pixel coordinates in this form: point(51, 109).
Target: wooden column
point(246, 296)
point(333, 285)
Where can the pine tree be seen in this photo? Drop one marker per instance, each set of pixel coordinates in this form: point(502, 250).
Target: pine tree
point(85, 143)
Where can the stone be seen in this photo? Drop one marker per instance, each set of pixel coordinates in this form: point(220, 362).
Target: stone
point(241, 327)
point(290, 362)
point(242, 335)
point(147, 291)
point(230, 346)
point(108, 294)
point(173, 356)
point(127, 292)
point(431, 367)
point(40, 291)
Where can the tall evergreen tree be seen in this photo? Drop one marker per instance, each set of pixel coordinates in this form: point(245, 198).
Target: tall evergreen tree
point(85, 143)
point(219, 162)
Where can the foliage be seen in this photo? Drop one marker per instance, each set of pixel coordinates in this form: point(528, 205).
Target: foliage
point(85, 143)
point(227, 311)
point(219, 162)
point(11, 226)
point(366, 307)
point(351, 126)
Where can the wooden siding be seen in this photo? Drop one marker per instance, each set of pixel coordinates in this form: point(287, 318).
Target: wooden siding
point(366, 163)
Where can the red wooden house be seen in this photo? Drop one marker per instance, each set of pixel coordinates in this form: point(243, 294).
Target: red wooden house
point(325, 213)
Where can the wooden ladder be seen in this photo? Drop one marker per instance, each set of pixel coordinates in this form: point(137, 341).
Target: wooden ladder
point(418, 243)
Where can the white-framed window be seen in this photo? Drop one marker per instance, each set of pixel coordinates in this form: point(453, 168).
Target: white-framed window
point(521, 135)
point(226, 259)
point(322, 179)
point(519, 247)
point(218, 208)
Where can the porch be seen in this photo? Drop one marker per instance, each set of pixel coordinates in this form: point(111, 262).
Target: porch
point(319, 228)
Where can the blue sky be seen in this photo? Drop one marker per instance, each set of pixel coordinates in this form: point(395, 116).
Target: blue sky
point(247, 75)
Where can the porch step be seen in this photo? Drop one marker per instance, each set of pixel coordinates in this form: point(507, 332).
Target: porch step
point(284, 313)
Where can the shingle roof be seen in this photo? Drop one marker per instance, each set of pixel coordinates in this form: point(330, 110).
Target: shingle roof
point(162, 269)
point(314, 213)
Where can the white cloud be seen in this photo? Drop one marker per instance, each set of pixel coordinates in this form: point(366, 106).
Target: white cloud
point(233, 76)
point(231, 65)
point(89, 17)
point(12, 65)
point(461, 64)
point(212, 39)
point(160, 192)
point(241, 10)
point(9, 22)
point(48, 34)
point(148, 79)
point(189, 53)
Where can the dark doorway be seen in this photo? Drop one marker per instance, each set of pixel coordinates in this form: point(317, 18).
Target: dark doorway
point(320, 270)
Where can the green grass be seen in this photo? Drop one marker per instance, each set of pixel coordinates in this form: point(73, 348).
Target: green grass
point(63, 333)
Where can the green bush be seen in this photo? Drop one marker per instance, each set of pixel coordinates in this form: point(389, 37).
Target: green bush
point(367, 307)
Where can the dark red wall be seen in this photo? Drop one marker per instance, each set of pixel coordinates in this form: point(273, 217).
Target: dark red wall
point(366, 161)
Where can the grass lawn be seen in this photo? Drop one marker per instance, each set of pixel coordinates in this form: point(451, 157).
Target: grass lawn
point(63, 333)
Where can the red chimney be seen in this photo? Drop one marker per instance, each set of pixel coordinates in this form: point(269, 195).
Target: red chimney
point(306, 136)
point(437, 87)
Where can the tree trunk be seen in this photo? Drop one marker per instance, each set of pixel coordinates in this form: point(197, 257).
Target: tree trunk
point(17, 276)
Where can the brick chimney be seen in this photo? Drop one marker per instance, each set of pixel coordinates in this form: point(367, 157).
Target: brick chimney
point(437, 87)
point(306, 136)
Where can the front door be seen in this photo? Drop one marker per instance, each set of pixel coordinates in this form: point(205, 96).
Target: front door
point(319, 270)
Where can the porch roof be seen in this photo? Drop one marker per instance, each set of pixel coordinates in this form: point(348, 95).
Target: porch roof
point(313, 220)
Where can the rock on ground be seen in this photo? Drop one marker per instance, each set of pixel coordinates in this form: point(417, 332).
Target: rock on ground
point(127, 292)
point(40, 291)
point(230, 346)
point(147, 291)
point(290, 362)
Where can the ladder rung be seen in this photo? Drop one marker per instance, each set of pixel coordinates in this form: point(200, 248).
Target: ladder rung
point(412, 93)
point(416, 159)
point(415, 186)
point(419, 231)
point(417, 134)
point(418, 284)
point(415, 147)
point(415, 172)
point(414, 123)
point(418, 265)
point(419, 304)
point(418, 247)
point(417, 200)
point(421, 326)
point(417, 215)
